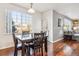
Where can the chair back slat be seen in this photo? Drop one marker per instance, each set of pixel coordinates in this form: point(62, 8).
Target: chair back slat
point(38, 34)
point(13, 34)
point(37, 41)
point(14, 39)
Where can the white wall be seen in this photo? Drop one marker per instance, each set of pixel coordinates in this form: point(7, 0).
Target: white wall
point(48, 21)
point(6, 40)
point(36, 22)
point(57, 31)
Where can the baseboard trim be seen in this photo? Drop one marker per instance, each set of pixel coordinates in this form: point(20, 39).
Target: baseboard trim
point(57, 40)
point(6, 47)
point(50, 41)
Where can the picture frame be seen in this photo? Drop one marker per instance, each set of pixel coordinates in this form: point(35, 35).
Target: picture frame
point(59, 22)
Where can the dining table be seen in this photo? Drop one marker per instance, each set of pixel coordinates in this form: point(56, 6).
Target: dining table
point(28, 39)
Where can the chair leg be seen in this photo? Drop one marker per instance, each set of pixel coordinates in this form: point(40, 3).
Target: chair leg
point(42, 51)
point(34, 51)
point(15, 52)
point(27, 50)
point(39, 51)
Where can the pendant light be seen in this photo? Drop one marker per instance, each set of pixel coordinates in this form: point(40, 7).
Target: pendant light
point(31, 10)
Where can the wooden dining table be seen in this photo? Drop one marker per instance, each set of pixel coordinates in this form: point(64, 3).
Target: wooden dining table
point(27, 39)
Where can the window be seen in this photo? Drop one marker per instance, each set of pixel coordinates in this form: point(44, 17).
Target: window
point(19, 19)
point(67, 25)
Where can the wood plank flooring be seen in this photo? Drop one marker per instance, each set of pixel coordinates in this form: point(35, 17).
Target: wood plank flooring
point(66, 48)
point(7, 51)
point(10, 52)
point(60, 48)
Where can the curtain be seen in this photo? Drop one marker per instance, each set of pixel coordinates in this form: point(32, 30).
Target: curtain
point(8, 23)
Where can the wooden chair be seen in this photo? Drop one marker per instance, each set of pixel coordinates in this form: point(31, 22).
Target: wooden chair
point(37, 46)
point(43, 38)
point(45, 42)
point(17, 45)
point(38, 35)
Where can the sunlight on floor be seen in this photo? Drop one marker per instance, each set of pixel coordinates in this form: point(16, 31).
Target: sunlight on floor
point(67, 50)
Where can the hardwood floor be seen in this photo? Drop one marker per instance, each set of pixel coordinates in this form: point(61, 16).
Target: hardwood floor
point(6, 52)
point(66, 48)
point(10, 52)
point(60, 48)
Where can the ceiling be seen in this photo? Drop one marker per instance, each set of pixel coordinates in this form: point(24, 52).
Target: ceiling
point(41, 7)
point(69, 9)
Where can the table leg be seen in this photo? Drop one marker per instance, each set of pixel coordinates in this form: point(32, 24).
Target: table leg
point(42, 50)
point(23, 49)
point(45, 45)
point(28, 51)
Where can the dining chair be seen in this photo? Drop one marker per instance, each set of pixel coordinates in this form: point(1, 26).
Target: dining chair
point(44, 38)
point(37, 47)
point(38, 34)
point(18, 46)
point(37, 44)
point(45, 43)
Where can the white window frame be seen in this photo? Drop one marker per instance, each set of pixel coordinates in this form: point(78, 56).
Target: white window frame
point(9, 21)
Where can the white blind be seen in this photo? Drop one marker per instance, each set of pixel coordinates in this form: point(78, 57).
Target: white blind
point(19, 18)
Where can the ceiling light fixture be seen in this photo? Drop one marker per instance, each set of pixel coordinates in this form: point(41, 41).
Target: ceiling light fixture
point(31, 10)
